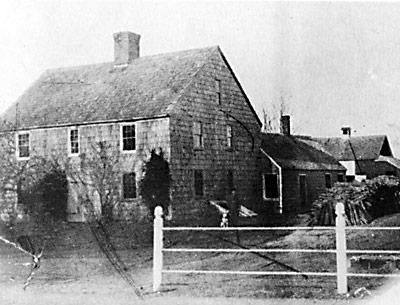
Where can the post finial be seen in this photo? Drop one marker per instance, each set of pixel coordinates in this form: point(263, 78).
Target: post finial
point(339, 210)
point(158, 211)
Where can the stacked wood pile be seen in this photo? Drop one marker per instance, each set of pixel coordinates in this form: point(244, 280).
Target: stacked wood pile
point(363, 202)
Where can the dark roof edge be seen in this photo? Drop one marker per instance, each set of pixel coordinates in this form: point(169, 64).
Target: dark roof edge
point(314, 170)
point(240, 86)
point(91, 123)
point(270, 157)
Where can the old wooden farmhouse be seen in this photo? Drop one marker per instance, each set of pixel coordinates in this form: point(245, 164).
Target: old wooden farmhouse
point(188, 103)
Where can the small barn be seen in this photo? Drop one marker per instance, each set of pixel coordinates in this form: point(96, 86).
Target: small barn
point(294, 173)
point(364, 157)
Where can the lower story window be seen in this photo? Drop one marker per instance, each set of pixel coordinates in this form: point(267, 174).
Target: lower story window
point(271, 188)
point(198, 183)
point(340, 178)
point(129, 185)
point(328, 181)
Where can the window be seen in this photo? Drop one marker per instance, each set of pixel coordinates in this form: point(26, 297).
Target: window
point(271, 187)
point(129, 185)
point(197, 134)
point(23, 145)
point(218, 91)
point(340, 178)
point(328, 181)
point(128, 137)
point(229, 135)
point(230, 181)
point(198, 183)
point(73, 141)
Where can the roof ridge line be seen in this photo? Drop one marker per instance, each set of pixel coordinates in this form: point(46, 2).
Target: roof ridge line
point(66, 68)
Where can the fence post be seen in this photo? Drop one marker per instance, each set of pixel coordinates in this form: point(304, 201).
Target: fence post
point(157, 248)
point(341, 257)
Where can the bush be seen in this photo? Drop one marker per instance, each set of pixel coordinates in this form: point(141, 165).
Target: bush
point(46, 199)
point(363, 202)
point(156, 182)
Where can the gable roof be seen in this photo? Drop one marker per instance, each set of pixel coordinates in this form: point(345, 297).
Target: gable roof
point(393, 161)
point(354, 148)
point(146, 88)
point(291, 153)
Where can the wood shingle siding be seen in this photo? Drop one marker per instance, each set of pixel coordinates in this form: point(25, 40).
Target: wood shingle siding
point(163, 97)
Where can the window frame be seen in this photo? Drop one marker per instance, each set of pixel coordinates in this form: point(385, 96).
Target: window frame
point(17, 147)
point(124, 184)
point(229, 136)
point(121, 137)
point(230, 180)
point(197, 195)
point(328, 178)
point(200, 135)
point(265, 187)
point(70, 130)
point(218, 91)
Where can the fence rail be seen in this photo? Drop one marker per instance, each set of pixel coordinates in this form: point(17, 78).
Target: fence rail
point(340, 251)
point(245, 228)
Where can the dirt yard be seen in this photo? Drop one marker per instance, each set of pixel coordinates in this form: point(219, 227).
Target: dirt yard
point(75, 270)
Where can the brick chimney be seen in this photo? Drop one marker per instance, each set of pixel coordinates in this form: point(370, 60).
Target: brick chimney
point(346, 132)
point(285, 125)
point(126, 47)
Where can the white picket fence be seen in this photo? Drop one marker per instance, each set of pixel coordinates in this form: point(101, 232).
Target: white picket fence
point(341, 251)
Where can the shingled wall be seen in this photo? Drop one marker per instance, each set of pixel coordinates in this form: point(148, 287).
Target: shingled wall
point(200, 104)
point(52, 143)
point(315, 185)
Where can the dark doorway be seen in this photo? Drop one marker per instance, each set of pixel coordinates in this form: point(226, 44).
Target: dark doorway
point(303, 190)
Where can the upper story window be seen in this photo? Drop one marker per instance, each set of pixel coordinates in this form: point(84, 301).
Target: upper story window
point(129, 185)
point(128, 137)
point(197, 134)
point(73, 140)
point(229, 135)
point(23, 144)
point(218, 91)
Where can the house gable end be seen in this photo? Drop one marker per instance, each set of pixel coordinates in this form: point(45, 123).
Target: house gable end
point(385, 149)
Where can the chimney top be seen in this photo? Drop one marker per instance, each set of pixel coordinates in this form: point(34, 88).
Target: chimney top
point(126, 47)
point(285, 125)
point(346, 131)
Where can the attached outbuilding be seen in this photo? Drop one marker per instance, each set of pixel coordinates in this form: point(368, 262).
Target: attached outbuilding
point(294, 173)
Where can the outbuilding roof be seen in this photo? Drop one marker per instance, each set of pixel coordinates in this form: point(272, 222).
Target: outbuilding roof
point(148, 87)
point(393, 161)
point(352, 148)
point(291, 153)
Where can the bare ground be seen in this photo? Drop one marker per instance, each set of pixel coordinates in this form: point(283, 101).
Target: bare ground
point(74, 270)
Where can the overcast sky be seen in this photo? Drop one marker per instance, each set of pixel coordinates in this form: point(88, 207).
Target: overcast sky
point(334, 63)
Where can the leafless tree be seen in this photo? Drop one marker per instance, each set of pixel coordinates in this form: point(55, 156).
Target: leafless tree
point(16, 176)
point(272, 116)
point(97, 176)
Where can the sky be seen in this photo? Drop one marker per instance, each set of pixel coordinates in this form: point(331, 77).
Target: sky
point(334, 64)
